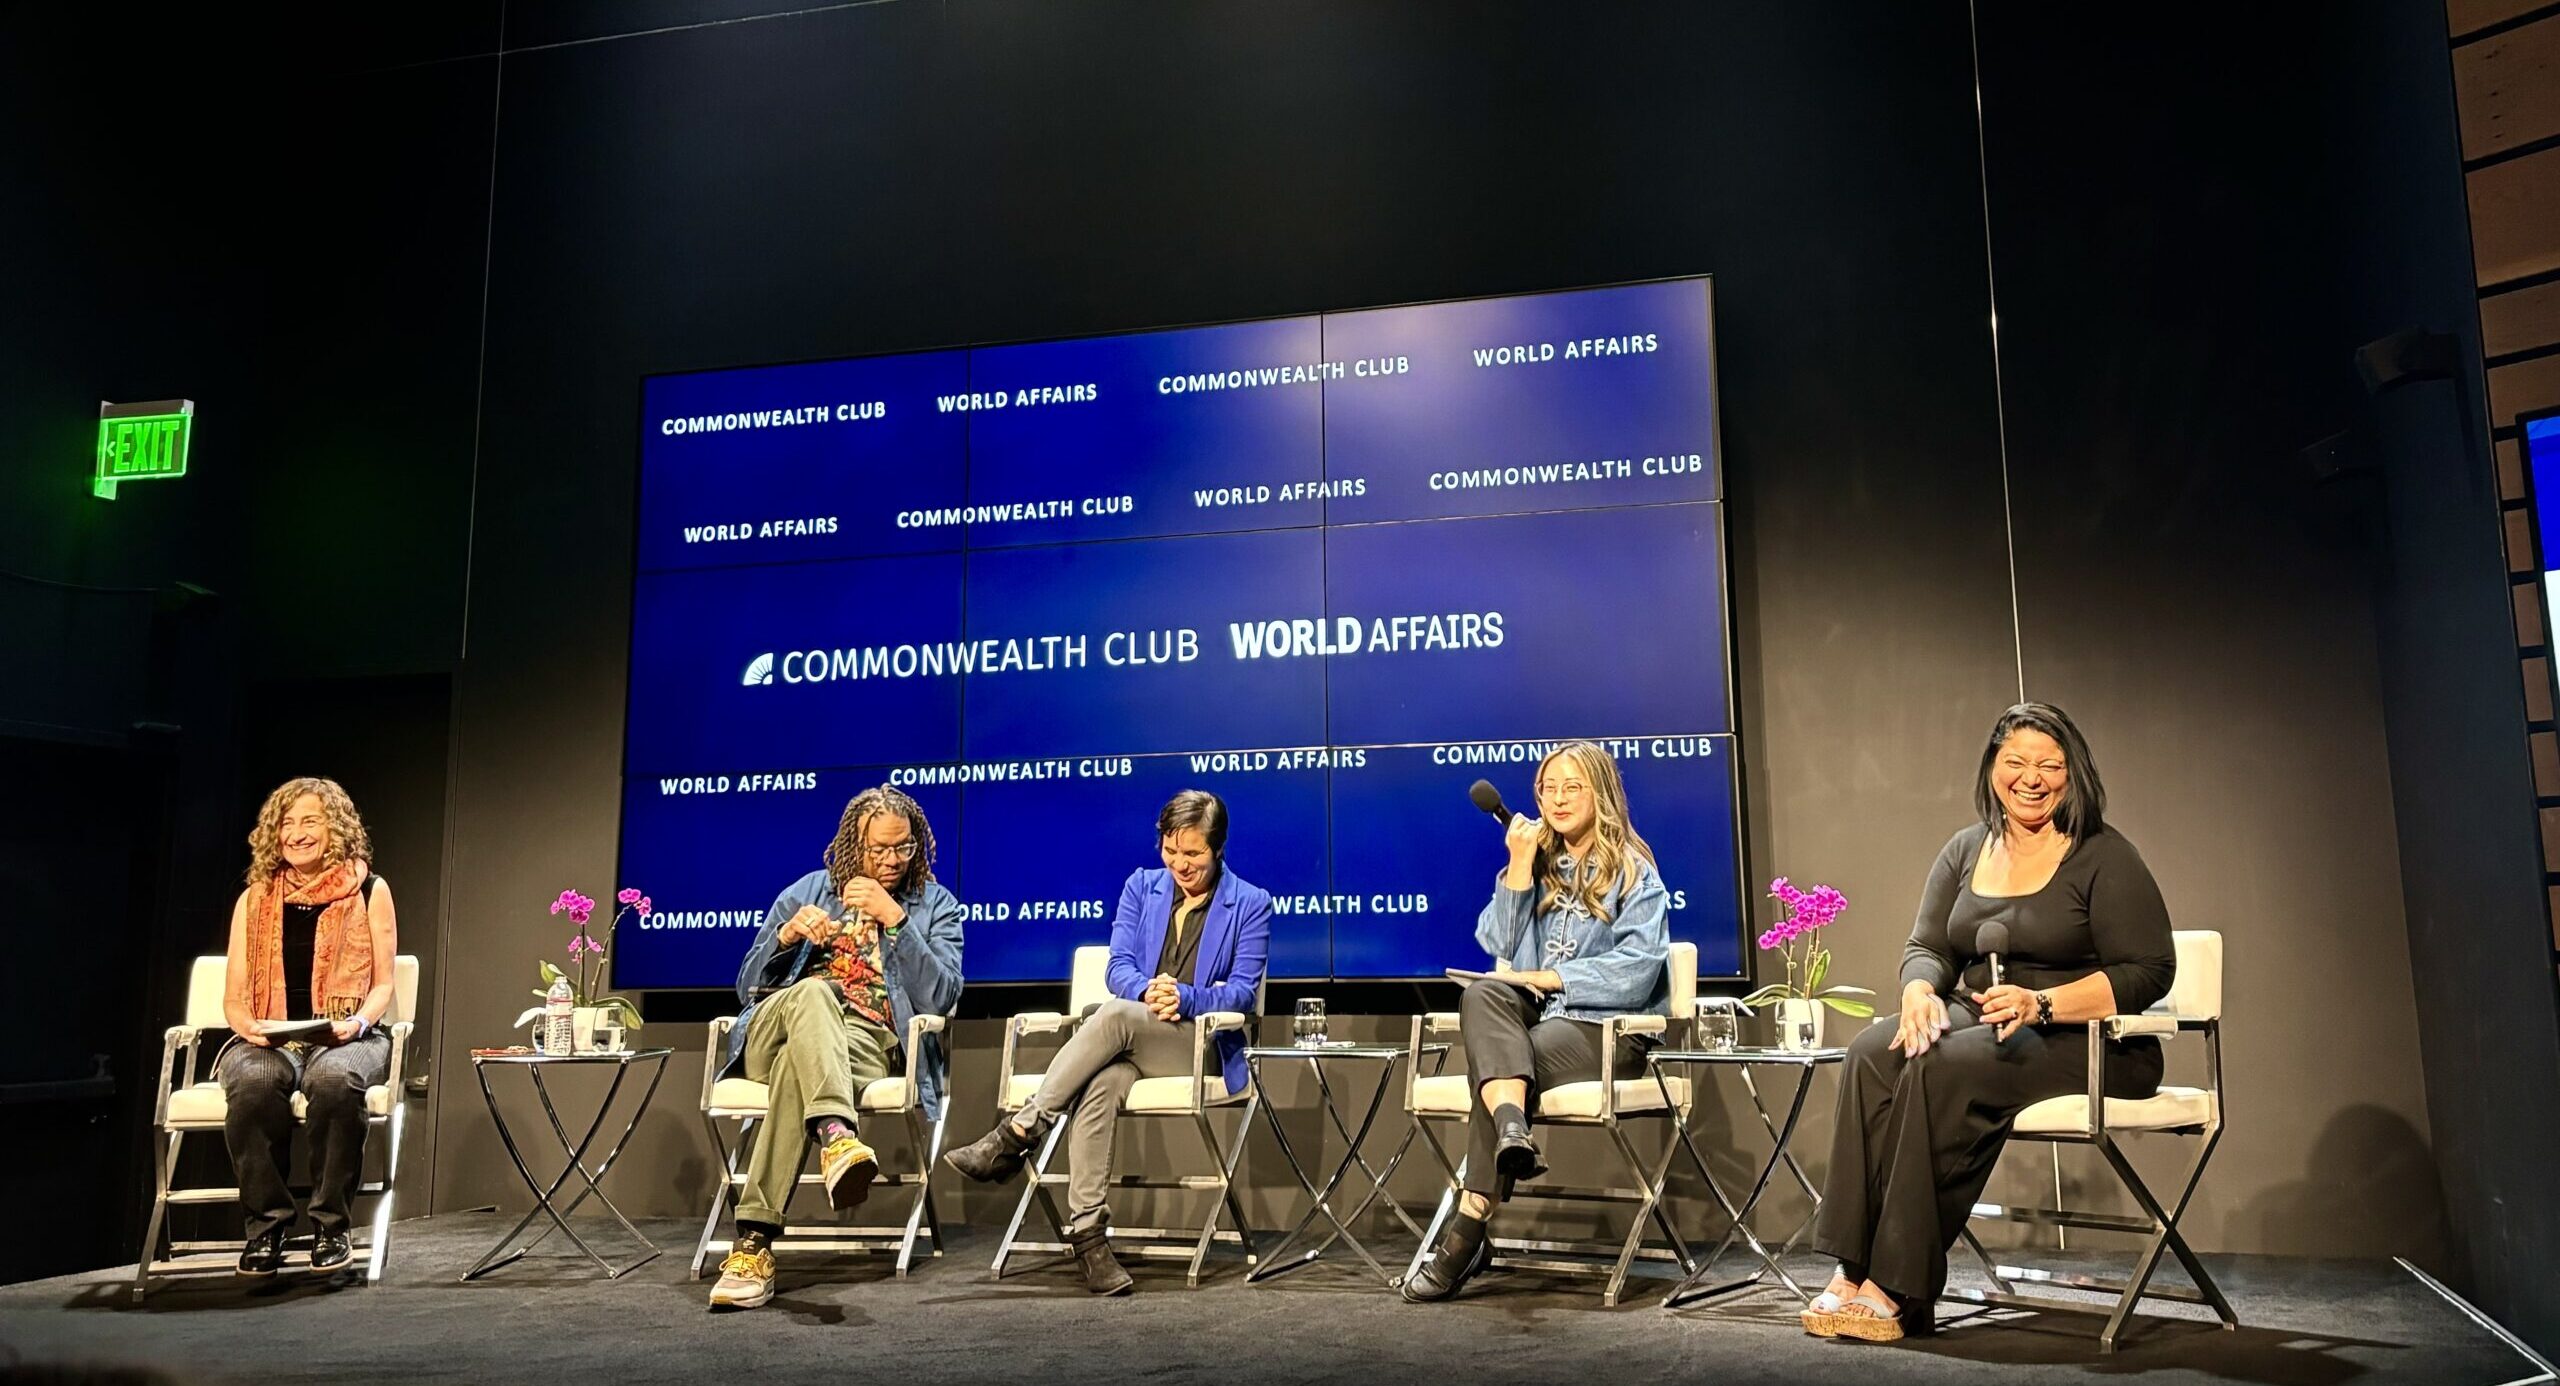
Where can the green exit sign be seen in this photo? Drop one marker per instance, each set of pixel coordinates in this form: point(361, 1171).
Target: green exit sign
point(141, 442)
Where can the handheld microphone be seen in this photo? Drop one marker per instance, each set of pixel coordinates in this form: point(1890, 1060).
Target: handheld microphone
point(1992, 940)
point(1489, 799)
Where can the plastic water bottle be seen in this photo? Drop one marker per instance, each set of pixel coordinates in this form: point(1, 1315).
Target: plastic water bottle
point(559, 1018)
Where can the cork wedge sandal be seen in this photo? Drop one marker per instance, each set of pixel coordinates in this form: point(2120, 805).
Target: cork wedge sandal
point(1870, 1320)
point(1819, 1314)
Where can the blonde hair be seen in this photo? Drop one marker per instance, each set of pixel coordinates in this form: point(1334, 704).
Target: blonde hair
point(347, 840)
point(1616, 847)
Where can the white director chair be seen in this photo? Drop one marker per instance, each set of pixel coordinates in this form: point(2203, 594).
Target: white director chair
point(192, 1101)
point(2193, 1006)
point(743, 1100)
point(1607, 1103)
point(1177, 1097)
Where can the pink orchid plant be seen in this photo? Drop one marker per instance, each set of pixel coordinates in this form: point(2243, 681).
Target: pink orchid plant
point(1792, 938)
point(586, 953)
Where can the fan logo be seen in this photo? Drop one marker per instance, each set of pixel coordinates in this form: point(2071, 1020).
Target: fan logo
point(759, 671)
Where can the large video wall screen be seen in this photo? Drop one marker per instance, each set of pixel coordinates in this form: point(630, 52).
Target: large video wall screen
point(1334, 568)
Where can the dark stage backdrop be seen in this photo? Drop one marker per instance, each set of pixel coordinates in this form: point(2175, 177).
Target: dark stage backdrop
point(486, 229)
point(724, 195)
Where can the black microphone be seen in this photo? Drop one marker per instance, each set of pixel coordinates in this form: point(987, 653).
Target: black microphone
point(1489, 799)
point(1992, 940)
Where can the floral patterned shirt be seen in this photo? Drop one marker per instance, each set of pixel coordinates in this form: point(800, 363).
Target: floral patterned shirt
point(858, 975)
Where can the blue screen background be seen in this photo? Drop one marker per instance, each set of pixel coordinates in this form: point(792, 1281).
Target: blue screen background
point(1334, 568)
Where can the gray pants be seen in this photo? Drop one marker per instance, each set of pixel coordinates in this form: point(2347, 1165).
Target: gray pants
point(257, 1124)
point(1091, 1076)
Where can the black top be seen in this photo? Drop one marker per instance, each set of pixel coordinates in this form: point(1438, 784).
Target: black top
point(301, 936)
point(1182, 938)
point(2101, 912)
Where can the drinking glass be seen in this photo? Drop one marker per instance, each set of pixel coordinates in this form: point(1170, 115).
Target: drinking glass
point(1310, 1028)
point(1715, 1025)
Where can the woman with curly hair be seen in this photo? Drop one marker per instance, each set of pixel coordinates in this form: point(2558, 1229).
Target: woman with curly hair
point(847, 956)
point(1577, 934)
point(312, 938)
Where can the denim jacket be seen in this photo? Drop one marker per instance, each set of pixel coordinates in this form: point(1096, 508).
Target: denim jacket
point(922, 966)
point(1611, 967)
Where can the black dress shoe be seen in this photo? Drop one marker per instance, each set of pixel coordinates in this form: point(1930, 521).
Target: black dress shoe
point(264, 1254)
point(1103, 1273)
point(999, 1154)
point(1463, 1250)
point(1515, 1152)
point(330, 1250)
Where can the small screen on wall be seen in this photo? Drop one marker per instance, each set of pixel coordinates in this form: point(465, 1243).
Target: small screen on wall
point(1334, 568)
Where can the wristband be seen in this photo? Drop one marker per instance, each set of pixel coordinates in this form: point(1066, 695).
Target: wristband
point(364, 1027)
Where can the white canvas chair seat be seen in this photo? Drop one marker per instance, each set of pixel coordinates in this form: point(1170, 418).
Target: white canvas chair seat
point(202, 1106)
point(1449, 1094)
point(2171, 1109)
point(744, 1102)
point(190, 1100)
point(1145, 1095)
point(2192, 1007)
point(1193, 1095)
point(1605, 1102)
point(742, 1097)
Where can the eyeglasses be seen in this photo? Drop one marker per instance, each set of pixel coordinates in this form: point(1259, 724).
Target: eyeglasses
point(1562, 790)
point(904, 851)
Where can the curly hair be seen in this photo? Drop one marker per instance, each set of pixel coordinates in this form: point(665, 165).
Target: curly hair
point(843, 857)
point(347, 839)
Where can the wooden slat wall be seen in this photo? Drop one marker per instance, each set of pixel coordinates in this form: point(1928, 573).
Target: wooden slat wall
point(2508, 86)
point(2506, 72)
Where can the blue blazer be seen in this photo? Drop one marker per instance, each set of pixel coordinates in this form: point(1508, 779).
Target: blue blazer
point(922, 967)
point(1235, 938)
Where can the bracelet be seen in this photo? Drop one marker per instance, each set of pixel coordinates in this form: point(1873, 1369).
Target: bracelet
point(2044, 1008)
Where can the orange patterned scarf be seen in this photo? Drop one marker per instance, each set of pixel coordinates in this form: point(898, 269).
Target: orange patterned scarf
point(341, 946)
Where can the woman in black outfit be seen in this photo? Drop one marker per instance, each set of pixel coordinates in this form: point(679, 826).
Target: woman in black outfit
point(1925, 1104)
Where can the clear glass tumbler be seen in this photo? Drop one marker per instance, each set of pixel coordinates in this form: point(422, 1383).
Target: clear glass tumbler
point(1716, 1025)
point(1310, 1027)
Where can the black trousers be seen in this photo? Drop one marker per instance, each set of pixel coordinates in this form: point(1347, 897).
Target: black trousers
point(1505, 1039)
point(257, 1124)
point(1915, 1139)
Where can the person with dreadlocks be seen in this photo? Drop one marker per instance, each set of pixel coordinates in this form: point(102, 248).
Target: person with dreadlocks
point(847, 956)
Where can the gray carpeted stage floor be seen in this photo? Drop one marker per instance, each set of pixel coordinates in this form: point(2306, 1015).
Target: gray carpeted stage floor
point(550, 1318)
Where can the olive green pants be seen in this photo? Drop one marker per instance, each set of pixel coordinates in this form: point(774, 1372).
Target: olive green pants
point(815, 1056)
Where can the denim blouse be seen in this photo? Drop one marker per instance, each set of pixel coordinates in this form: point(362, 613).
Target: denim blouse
point(1610, 967)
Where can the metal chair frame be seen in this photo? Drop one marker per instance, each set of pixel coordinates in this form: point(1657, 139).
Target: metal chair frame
point(2158, 1224)
point(180, 1051)
point(924, 1135)
point(1612, 1261)
point(1086, 996)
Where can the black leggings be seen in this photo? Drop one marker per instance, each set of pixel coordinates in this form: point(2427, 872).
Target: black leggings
point(1505, 1039)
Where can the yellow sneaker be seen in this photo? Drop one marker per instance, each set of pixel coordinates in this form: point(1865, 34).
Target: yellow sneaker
point(849, 1166)
point(746, 1280)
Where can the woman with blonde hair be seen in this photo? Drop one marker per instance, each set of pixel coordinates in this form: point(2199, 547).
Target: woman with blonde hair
point(1577, 933)
point(312, 938)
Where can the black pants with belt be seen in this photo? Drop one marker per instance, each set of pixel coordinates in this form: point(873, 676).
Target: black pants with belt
point(1505, 1039)
point(1915, 1138)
